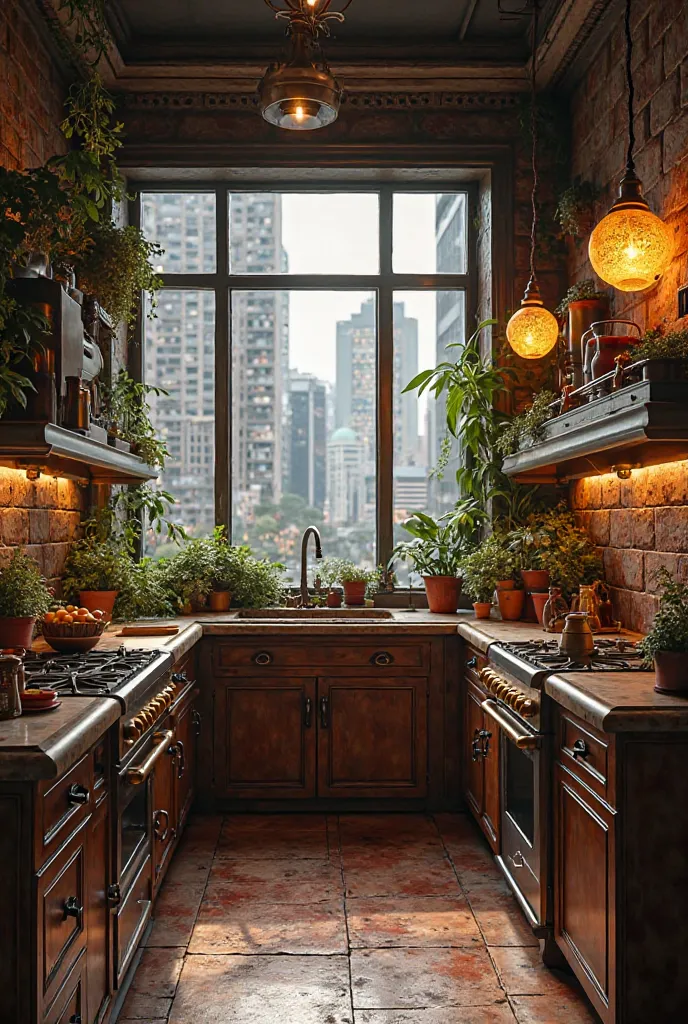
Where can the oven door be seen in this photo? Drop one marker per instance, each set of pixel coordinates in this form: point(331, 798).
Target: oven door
point(521, 808)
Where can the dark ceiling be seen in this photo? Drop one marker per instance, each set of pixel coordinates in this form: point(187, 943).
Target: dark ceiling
point(143, 27)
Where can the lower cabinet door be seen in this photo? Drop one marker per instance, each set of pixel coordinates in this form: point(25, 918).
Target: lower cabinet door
point(98, 912)
point(491, 815)
point(473, 767)
point(265, 738)
point(70, 1004)
point(131, 919)
point(372, 737)
point(163, 792)
point(584, 887)
point(185, 781)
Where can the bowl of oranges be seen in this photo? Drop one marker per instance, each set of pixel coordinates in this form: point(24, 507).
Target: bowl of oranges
point(69, 629)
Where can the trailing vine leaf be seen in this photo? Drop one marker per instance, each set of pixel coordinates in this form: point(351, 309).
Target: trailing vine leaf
point(91, 32)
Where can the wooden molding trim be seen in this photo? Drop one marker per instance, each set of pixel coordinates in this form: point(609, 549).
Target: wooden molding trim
point(356, 100)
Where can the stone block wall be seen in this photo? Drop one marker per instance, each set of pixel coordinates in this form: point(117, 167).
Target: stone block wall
point(641, 523)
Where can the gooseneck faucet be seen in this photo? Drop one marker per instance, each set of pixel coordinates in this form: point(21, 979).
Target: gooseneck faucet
point(315, 532)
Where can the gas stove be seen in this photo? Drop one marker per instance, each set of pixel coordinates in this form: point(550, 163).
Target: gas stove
point(120, 674)
point(609, 655)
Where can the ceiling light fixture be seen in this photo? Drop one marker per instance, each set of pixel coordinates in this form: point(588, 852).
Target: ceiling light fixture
point(533, 331)
point(631, 247)
point(302, 94)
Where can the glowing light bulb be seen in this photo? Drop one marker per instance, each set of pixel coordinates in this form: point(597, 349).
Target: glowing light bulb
point(299, 113)
point(532, 331)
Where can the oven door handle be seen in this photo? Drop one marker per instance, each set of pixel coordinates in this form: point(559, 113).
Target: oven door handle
point(137, 776)
point(511, 726)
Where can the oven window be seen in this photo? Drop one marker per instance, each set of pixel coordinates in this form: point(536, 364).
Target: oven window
point(134, 827)
point(520, 790)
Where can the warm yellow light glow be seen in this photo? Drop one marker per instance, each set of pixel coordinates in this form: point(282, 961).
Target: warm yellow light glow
point(299, 113)
point(532, 331)
point(631, 248)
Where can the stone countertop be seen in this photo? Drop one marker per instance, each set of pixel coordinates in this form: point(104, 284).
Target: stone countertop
point(619, 701)
point(42, 745)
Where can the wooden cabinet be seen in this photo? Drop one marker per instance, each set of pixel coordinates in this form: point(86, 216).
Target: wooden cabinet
point(163, 790)
point(98, 910)
point(186, 741)
point(357, 727)
point(265, 737)
point(372, 737)
point(480, 742)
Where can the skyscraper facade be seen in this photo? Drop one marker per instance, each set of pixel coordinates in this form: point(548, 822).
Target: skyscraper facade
point(308, 438)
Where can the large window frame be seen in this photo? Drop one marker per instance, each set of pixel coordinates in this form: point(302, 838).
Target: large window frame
point(384, 285)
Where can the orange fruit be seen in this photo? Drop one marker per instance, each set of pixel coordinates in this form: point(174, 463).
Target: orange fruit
point(49, 617)
point(68, 620)
point(71, 607)
point(82, 611)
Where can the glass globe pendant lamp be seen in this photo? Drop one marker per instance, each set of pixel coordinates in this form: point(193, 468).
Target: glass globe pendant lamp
point(302, 94)
point(533, 331)
point(631, 247)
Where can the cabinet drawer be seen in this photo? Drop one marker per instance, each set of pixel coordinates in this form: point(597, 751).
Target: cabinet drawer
point(270, 656)
point(61, 806)
point(132, 918)
point(69, 1005)
point(61, 915)
point(586, 754)
point(475, 660)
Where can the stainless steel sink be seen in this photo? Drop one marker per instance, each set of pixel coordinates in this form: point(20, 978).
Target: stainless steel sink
point(319, 614)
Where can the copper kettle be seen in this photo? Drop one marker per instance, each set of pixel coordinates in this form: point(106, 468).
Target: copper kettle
point(577, 641)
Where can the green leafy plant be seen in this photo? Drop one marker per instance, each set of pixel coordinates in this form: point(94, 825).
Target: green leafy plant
point(23, 591)
point(116, 268)
point(552, 540)
point(577, 292)
point(658, 343)
point(95, 565)
point(527, 427)
point(349, 572)
point(440, 545)
point(670, 628)
point(575, 208)
point(125, 405)
point(89, 24)
point(485, 567)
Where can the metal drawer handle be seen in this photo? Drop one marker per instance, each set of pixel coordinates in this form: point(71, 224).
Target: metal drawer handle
point(485, 737)
point(197, 719)
point(264, 658)
point(476, 746)
point(137, 776)
point(510, 727)
point(72, 908)
point(517, 860)
point(324, 713)
point(580, 749)
point(161, 825)
point(471, 663)
point(75, 1018)
point(179, 677)
point(78, 794)
point(382, 658)
point(307, 712)
point(114, 895)
point(181, 755)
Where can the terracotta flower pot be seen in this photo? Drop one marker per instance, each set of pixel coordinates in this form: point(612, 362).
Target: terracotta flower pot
point(671, 671)
point(220, 600)
point(506, 585)
point(334, 599)
point(539, 602)
point(482, 609)
point(16, 631)
point(443, 593)
point(511, 604)
point(99, 600)
point(535, 579)
point(354, 592)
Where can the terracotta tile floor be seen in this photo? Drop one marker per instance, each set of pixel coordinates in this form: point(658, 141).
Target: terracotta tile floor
point(319, 919)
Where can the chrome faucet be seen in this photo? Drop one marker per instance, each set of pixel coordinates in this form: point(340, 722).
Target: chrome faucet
point(315, 532)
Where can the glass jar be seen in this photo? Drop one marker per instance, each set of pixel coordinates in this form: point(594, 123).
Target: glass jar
point(10, 701)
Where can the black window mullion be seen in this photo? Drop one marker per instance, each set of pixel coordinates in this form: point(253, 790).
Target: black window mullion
point(385, 385)
point(223, 370)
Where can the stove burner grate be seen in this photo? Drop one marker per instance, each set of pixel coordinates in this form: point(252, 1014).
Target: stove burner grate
point(608, 656)
point(93, 673)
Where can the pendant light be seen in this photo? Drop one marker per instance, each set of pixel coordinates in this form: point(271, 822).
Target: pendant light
point(533, 331)
point(631, 247)
point(302, 94)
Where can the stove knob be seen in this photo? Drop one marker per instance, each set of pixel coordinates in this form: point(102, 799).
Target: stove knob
point(520, 702)
point(530, 708)
point(130, 731)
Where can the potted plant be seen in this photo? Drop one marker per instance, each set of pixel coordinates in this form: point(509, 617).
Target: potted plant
point(23, 597)
point(226, 562)
point(668, 351)
point(328, 572)
point(96, 571)
point(667, 642)
point(357, 582)
point(483, 572)
point(526, 428)
point(438, 548)
point(528, 543)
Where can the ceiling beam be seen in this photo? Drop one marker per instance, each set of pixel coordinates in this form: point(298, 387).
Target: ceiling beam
point(572, 25)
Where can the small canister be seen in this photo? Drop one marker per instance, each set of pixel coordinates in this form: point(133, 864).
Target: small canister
point(18, 652)
point(10, 701)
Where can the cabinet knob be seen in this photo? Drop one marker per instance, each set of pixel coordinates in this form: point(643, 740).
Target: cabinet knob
point(78, 794)
point(471, 663)
point(476, 746)
point(161, 825)
point(72, 908)
point(75, 1018)
point(114, 895)
point(382, 658)
point(179, 677)
point(263, 658)
point(580, 749)
point(485, 737)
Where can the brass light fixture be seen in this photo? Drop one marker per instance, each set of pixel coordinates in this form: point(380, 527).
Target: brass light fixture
point(533, 331)
point(302, 94)
point(631, 247)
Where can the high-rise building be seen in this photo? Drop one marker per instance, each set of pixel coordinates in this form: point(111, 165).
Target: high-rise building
point(346, 477)
point(308, 438)
point(356, 399)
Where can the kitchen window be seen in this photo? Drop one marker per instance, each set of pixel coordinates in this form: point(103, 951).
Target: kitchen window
point(288, 325)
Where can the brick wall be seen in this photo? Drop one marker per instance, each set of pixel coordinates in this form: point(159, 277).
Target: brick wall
point(641, 523)
point(42, 515)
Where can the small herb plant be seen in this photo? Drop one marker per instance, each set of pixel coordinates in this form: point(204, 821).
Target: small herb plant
point(552, 540)
point(126, 407)
point(577, 293)
point(93, 564)
point(485, 567)
point(670, 629)
point(116, 268)
point(23, 591)
point(658, 343)
point(575, 208)
point(440, 545)
point(526, 428)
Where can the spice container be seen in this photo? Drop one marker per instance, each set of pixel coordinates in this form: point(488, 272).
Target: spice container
point(10, 701)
